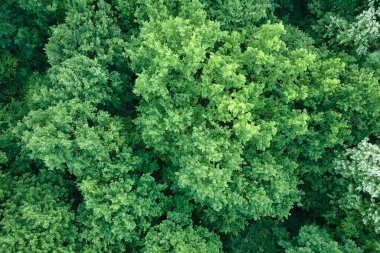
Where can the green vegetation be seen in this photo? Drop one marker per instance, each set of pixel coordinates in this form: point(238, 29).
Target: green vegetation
point(190, 126)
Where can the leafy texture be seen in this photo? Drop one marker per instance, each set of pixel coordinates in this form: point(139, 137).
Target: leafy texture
point(189, 126)
point(361, 174)
point(37, 215)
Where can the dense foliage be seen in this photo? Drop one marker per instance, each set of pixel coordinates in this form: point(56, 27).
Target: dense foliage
point(190, 126)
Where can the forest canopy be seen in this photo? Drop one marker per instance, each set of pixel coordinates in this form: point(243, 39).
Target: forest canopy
point(190, 126)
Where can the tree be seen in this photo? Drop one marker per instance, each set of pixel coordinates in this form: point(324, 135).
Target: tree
point(186, 126)
point(36, 214)
point(360, 173)
point(68, 132)
point(170, 237)
point(197, 101)
point(314, 239)
point(363, 34)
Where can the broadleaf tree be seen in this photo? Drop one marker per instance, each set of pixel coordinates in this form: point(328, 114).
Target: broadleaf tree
point(189, 126)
